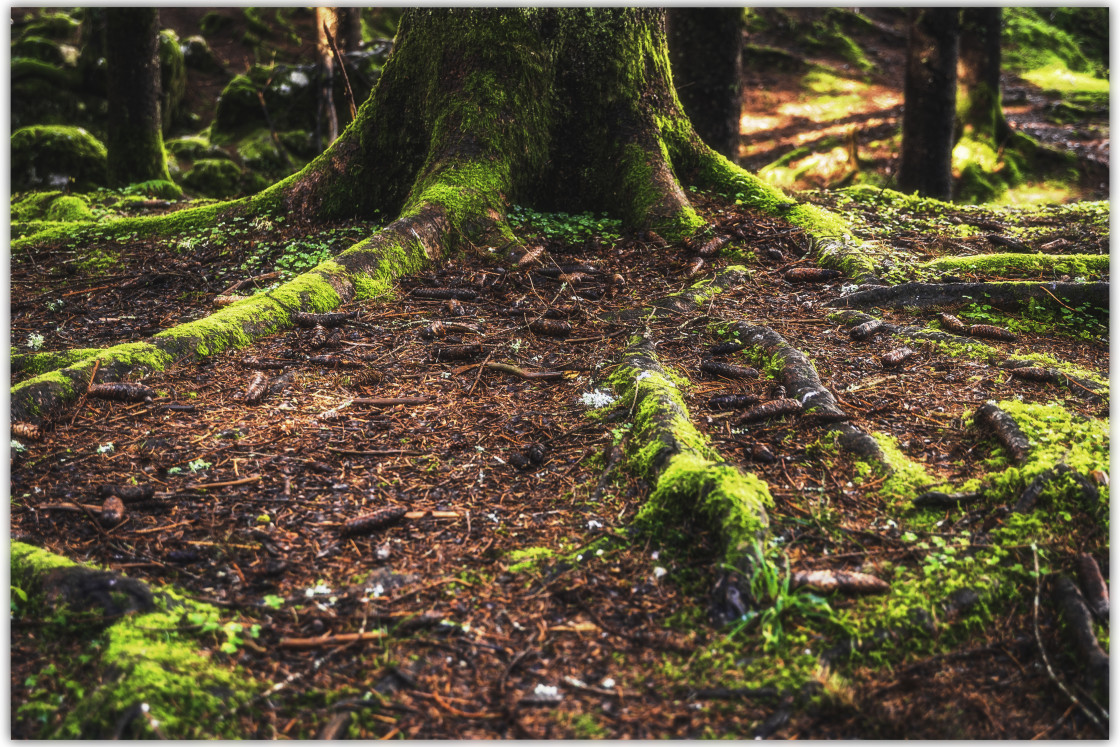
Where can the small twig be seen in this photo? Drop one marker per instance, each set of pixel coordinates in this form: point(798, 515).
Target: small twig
point(337, 639)
point(242, 283)
point(1042, 649)
point(342, 67)
point(510, 368)
point(82, 400)
point(389, 401)
point(479, 374)
point(228, 483)
point(376, 452)
point(1043, 287)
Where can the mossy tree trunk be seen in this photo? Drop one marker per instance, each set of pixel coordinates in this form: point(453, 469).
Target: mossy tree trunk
point(930, 94)
point(706, 49)
point(134, 136)
point(979, 111)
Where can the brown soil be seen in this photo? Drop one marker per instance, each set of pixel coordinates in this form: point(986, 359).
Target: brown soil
point(491, 641)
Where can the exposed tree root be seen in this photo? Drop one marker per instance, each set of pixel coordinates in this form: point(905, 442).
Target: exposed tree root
point(1006, 430)
point(149, 656)
point(843, 582)
point(1030, 495)
point(1096, 590)
point(1081, 385)
point(1080, 627)
point(690, 480)
point(794, 370)
point(33, 364)
point(1003, 295)
point(365, 270)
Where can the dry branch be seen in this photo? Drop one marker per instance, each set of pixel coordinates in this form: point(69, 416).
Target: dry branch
point(775, 408)
point(939, 499)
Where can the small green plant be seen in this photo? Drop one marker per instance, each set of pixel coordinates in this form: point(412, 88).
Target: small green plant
point(231, 632)
point(570, 229)
point(776, 602)
point(35, 340)
point(198, 465)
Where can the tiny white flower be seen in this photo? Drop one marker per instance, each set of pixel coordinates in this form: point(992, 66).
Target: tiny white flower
point(655, 554)
point(593, 524)
point(607, 683)
point(105, 448)
point(547, 691)
point(658, 572)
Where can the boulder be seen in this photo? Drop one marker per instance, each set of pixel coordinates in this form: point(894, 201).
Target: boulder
point(57, 156)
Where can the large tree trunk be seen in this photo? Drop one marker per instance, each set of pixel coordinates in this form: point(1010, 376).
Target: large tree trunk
point(930, 103)
point(979, 112)
point(134, 139)
point(706, 49)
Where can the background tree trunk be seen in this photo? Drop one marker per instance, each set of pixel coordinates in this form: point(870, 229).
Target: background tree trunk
point(134, 138)
point(706, 50)
point(979, 112)
point(930, 103)
point(326, 21)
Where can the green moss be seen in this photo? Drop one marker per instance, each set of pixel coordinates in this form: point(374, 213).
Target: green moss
point(193, 148)
point(98, 262)
point(45, 154)
point(525, 558)
point(34, 364)
point(906, 478)
point(33, 206)
point(153, 657)
point(173, 77)
point(258, 151)
point(1023, 265)
point(1030, 43)
point(214, 177)
point(1056, 436)
point(980, 351)
point(70, 208)
point(691, 481)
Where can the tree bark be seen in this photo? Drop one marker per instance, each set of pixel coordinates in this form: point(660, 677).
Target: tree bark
point(326, 22)
point(979, 112)
point(134, 138)
point(930, 100)
point(706, 49)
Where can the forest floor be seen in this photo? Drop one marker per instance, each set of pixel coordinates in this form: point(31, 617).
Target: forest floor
point(520, 598)
point(495, 624)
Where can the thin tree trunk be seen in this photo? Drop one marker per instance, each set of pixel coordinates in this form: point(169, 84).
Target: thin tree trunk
point(706, 49)
point(326, 22)
point(134, 139)
point(979, 112)
point(930, 103)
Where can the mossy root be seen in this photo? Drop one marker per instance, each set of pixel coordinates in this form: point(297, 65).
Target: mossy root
point(151, 661)
point(690, 480)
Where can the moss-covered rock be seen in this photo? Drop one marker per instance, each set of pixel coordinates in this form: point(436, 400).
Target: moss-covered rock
point(172, 75)
point(214, 177)
point(55, 155)
point(258, 151)
point(288, 96)
point(57, 26)
point(70, 208)
point(238, 109)
point(194, 148)
point(45, 50)
point(198, 55)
